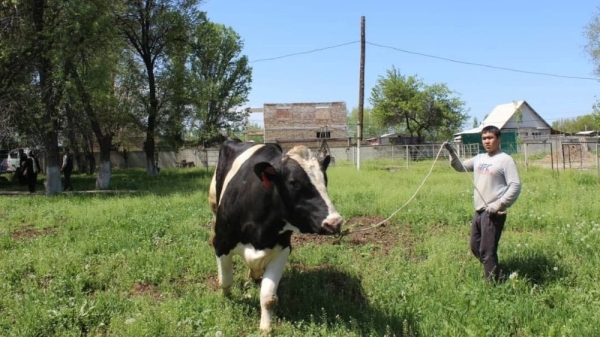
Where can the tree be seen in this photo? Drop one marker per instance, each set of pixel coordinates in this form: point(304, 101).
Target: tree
point(592, 31)
point(518, 119)
point(220, 81)
point(32, 81)
point(416, 108)
point(256, 132)
point(576, 124)
point(475, 122)
point(151, 28)
point(92, 66)
point(371, 128)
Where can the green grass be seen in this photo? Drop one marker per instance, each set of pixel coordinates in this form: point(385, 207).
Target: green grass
point(140, 264)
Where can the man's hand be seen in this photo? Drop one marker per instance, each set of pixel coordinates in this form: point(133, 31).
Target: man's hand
point(493, 208)
point(448, 147)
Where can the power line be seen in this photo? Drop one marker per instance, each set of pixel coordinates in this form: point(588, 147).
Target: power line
point(304, 52)
point(429, 56)
point(483, 65)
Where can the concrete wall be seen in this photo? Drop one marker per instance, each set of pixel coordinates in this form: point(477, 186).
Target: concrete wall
point(208, 158)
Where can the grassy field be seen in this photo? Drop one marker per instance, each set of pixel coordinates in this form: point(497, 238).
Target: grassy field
point(139, 264)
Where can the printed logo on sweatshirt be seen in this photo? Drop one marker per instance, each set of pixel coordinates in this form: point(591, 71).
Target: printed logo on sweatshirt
point(485, 169)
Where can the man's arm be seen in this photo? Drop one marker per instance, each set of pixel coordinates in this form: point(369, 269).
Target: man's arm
point(513, 182)
point(455, 162)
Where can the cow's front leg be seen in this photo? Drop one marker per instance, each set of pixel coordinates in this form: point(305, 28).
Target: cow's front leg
point(225, 270)
point(268, 289)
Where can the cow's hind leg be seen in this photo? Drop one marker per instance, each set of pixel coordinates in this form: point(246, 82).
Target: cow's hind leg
point(268, 289)
point(225, 270)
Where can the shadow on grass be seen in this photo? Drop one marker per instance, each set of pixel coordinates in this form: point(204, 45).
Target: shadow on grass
point(169, 181)
point(538, 268)
point(327, 295)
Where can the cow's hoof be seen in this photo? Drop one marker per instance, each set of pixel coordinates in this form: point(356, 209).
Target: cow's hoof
point(226, 291)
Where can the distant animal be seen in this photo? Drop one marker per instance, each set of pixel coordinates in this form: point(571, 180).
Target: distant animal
point(259, 196)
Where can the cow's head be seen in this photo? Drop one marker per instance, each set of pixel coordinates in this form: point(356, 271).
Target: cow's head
point(301, 181)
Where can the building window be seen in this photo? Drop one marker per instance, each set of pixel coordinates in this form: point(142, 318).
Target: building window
point(323, 134)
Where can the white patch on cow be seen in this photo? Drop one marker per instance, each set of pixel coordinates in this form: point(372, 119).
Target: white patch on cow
point(303, 156)
point(270, 283)
point(256, 259)
point(212, 194)
point(225, 272)
point(235, 167)
point(289, 227)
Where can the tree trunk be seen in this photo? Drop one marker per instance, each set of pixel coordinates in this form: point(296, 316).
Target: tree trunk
point(149, 148)
point(53, 181)
point(104, 173)
point(150, 145)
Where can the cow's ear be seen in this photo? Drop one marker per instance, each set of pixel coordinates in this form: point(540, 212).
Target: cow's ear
point(324, 162)
point(265, 172)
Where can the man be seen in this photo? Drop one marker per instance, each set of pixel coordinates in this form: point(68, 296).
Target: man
point(20, 171)
point(67, 168)
point(497, 187)
point(32, 168)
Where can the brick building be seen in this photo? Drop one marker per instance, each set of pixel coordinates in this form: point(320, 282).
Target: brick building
point(309, 124)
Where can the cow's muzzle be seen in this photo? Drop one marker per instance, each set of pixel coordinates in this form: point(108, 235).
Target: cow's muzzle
point(332, 224)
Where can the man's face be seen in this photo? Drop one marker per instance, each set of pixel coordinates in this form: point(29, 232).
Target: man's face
point(490, 142)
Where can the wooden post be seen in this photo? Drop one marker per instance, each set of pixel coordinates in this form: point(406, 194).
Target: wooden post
point(361, 92)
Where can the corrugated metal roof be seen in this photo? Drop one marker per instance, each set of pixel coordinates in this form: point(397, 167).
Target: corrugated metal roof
point(502, 113)
point(586, 132)
point(474, 130)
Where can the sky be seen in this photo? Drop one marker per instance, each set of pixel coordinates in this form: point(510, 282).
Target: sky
point(527, 36)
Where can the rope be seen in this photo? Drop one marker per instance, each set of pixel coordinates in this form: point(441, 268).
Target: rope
point(350, 230)
point(473, 181)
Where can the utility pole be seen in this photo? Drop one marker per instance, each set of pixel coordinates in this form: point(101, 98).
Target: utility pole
point(361, 92)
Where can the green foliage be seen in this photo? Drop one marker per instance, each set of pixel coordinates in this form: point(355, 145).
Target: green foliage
point(139, 264)
point(577, 124)
point(103, 72)
point(592, 32)
point(371, 128)
point(220, 80)
point(413, 107)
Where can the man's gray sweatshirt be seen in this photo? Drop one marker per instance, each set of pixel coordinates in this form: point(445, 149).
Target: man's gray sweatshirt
point(496, 178)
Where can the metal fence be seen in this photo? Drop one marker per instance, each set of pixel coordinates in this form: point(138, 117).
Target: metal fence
point(555, 154)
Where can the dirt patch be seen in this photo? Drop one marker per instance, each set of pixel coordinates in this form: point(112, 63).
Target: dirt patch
point(29, 232)
point(150, 290)
point(574, 158)
point(362, 231)
point(212, 282)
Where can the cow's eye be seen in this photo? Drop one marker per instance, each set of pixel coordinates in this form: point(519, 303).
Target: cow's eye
point(295, 184)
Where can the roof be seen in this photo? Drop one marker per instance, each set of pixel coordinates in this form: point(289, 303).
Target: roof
point(504, 112)
point(474, 130)
point(586, 132)
point(501, 114)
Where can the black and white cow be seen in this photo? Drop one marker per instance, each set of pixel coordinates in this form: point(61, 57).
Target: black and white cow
point(260, 196)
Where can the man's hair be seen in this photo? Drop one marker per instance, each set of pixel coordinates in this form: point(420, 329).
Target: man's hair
point(66, 149)
point(492, 129)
